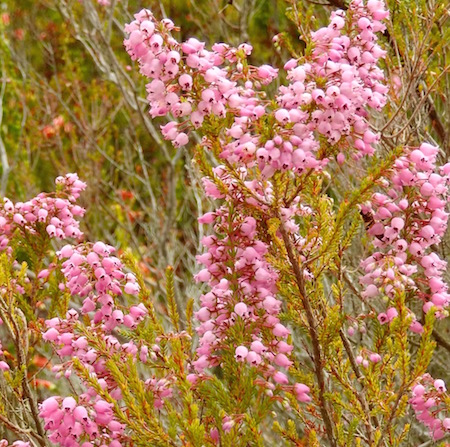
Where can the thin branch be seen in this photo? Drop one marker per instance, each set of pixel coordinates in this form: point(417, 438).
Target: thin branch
point(372, 421)
point(21, 363)
point(19, 430)
point(312, 328)
point(417, 109)
point(440, 340)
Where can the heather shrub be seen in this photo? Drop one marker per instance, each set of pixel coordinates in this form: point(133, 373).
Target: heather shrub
point(320, 282)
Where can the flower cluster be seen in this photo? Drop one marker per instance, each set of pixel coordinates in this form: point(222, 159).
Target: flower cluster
point(192, 83)
point(92, 272)
point(239, 315)
point(366, 356)
point(53, 212)
point(428, 403)
point(327, 94)
point(243, 289)
point(330, 93)
point(62, 333)
point(90, 419)
point(406, 222)
point(86, 422)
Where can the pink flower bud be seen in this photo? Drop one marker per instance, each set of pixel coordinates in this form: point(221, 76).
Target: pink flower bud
point(192, 378)
point(439, 384)
point(68, 404)
point(391, 313)
point(282, 360)
point(131, 288)
point(253, 358)
point(80, 414)
point(280, 331)
point(258, 347)
point(282, 116)
point(43, 274)
point(51, 335)
point(416, 327)
point(51, 230)
point(241, 353)
point(240, 309)
point(375, 358)
point(207, 218)
point(49, 406)
point(303, 397)
point(280, 378)
point(371, 291)
point(4, 366)
point(418, 390)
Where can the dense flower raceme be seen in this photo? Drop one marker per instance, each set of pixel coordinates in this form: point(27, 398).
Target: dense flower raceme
point(55, 212)
point(327, 94)
point(242, 294)
point(88, 420)
point(408, 220)
point(428, 401)
point(96, 275)
point(239, 313)
point(92, 273)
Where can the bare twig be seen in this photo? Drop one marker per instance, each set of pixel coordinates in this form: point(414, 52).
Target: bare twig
point(312, 328)
point(440, 340)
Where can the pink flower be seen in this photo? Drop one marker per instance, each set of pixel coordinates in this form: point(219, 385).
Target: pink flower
point(241, 353)
point(280, 378)
point(440, 385)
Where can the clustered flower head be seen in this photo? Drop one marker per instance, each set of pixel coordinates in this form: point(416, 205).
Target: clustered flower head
point(93, 273)
point(408, 220)
point(89, 420)
point(327, 95)
point(84, 422)
point(248, 301)
point(240, 312)
point(427, 400)
point(55, 213)
point(61, 333)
